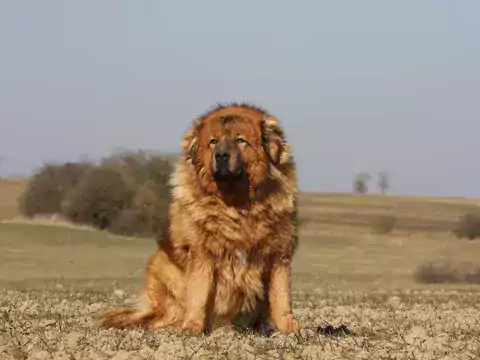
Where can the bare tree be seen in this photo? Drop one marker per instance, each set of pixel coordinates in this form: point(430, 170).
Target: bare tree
point(360, 183)
point(383, 182)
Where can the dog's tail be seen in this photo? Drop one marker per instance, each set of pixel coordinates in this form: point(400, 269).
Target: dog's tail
point(128, 316)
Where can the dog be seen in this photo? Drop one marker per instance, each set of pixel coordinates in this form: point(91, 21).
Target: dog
point(225, 256)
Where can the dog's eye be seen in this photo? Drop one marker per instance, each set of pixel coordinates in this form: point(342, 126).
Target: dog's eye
point(213, 141)
point(240, 140)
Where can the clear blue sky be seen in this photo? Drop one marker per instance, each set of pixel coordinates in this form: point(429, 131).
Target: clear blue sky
point(359, 85)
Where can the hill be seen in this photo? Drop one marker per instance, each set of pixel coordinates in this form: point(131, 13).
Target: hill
point(339, 242)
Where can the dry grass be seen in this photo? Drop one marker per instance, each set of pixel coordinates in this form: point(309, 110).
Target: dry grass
point(413, 214)
point(10, 191)
point(47, 220)
point(58, 253)
point(54, 280)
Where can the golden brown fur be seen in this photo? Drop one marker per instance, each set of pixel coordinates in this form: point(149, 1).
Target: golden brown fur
point(226, 253)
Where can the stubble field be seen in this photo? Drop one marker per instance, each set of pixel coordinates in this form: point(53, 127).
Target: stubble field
point(54, 280)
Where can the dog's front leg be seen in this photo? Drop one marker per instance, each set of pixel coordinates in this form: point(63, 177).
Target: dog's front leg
point(280, 298)
point(199, 283)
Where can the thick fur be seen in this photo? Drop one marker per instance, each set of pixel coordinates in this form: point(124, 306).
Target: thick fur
point(225, 255)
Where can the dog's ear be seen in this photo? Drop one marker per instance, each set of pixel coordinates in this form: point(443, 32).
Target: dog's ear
point(190, 142)
point(277, 149)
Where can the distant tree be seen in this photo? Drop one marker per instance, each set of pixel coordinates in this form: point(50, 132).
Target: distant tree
point(383, 182)
point(360, 183)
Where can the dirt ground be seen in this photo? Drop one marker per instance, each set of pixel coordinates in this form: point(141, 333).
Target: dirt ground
point(54, 280)
point(57, 323)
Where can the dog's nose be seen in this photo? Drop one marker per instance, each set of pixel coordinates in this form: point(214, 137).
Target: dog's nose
point(222, 155)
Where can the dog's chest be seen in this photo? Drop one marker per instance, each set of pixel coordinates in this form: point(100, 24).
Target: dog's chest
point(240, 253)
point(238, 283)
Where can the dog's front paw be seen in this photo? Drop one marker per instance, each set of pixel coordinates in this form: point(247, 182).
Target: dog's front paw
point(194, 325)
point(288, 324)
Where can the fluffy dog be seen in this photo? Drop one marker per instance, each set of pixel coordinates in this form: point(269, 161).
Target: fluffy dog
point(225, 256)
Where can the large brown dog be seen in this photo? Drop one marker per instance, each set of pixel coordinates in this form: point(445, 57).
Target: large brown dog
point(226, 253)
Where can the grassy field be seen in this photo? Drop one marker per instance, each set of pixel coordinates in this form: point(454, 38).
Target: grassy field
point(55, 279)
point(10, 191)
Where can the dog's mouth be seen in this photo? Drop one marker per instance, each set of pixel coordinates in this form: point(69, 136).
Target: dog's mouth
point(226, 176)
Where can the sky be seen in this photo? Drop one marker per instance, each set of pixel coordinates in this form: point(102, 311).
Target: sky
point(359, 86)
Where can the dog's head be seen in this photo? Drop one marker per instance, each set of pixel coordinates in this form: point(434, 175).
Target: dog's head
point(233, 144)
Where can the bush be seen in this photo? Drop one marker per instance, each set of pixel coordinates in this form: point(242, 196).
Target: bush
point(385, 224)
point(147, 176)
point(432, 273)
point(49, 186)
point(468, 226)
point(145, 216)
point(139, 167)
point(98, 199)
point(445, 273)
point(127, 193)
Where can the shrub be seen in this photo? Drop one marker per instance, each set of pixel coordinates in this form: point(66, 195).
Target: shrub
point(147, 176)
point(49, 186)
point(473, 276)
point(468, 226)
point(385, 224)
point(145, 216)
point(127, 193)
point(444, 273)
point(432, 273)
point(139, 167)
point(98, 199)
